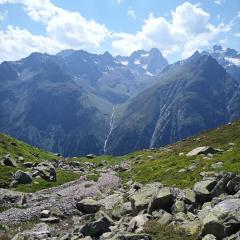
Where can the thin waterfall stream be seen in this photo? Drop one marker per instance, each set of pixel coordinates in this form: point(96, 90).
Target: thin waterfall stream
point(110, 131)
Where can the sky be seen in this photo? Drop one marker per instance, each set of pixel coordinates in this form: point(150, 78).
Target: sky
point(177, 28)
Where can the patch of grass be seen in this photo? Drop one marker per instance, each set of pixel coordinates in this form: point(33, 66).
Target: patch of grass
point(16, 148)
point(39, 183)
point(5, 176)
point(165, 165)
point(157, 232)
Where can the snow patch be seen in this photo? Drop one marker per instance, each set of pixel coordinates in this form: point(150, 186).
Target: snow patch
point(150, 74)
point(137, 62)
point(145, 67)
point(125, 63)
point(235, 61)
point(145, 55)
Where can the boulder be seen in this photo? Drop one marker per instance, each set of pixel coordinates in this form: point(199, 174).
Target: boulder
point(28, 164)
point(88, 206)
point(223, 220)
point(164, 199)
point(47, 171)
point(209, 237)
point(22, 177)
point(136, 223)
point(141, 199)
point(8, 161)
point(221, 186)
point(132, 236)
point(40, 231)
point(90, 156)
point(189, 196)
point(97, 228)
point(202, 150)
point(233, 186)
point(50, 220)
point(163, 217)
point(179, 206)
point(203, 190)
point(45, 213)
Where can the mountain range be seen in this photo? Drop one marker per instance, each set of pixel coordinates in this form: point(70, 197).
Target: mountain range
point(77, 103)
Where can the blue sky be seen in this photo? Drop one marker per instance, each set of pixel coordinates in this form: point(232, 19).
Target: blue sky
point(177, 28)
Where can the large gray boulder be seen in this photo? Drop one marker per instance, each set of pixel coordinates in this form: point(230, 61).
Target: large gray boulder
point(223, 220)
point(97, 228)
point(88, 205)
point(202, 150)
point(141, 199)
point(137, 223)
point(164, 199)
point(203, 190)
point(22, 177)
point(47, 171)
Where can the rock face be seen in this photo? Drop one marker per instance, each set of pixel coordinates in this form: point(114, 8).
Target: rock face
point(223, 220)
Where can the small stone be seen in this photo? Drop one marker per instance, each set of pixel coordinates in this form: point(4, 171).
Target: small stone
point(45, 213)
point(50, 220)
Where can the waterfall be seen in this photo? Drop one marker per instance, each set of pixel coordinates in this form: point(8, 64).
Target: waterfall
point(110, 131)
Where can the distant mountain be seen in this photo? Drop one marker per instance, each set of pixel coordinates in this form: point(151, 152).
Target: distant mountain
point(63, 103)
point(228, 58)
point(147, 63)
point(191, 96)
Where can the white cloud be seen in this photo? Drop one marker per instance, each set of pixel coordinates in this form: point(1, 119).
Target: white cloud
point(218, 2)
point(64, 29)
point(16, 43)
point(188, 30)
point(131, 14)
point(237, 34)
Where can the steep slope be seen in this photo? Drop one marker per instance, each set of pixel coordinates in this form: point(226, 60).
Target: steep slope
point(191, 96)
point(228, 58)
point(42, 105)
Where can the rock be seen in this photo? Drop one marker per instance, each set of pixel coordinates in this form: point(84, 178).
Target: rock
point(162, 200)
point(56, 212)
point(163, 217)
point(189, 196)
point(96, 228)
point(40, 231)
point(88, 205)
point(90, 156)
point(233, 186)
point(201, 150)
point(47, 171)
point(223, 220)
point(221, 186)
point(191, 228)
point(120, 210)
point(136, 224)
point(141, 199)
point(8, 161)
point(179, 206)
point(203, 190)
point(45, 213)
point(209, 237)
point(21, 159)
point(22, 177)
point(50, 220)
point(217, 165)
point(132, 236)
point(28, 164)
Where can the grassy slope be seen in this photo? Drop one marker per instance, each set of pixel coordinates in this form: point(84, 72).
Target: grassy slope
point(153, 164)
point(16, 148)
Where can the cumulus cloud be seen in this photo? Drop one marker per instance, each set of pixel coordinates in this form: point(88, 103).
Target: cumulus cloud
point(64, 29)
point(188, 30)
